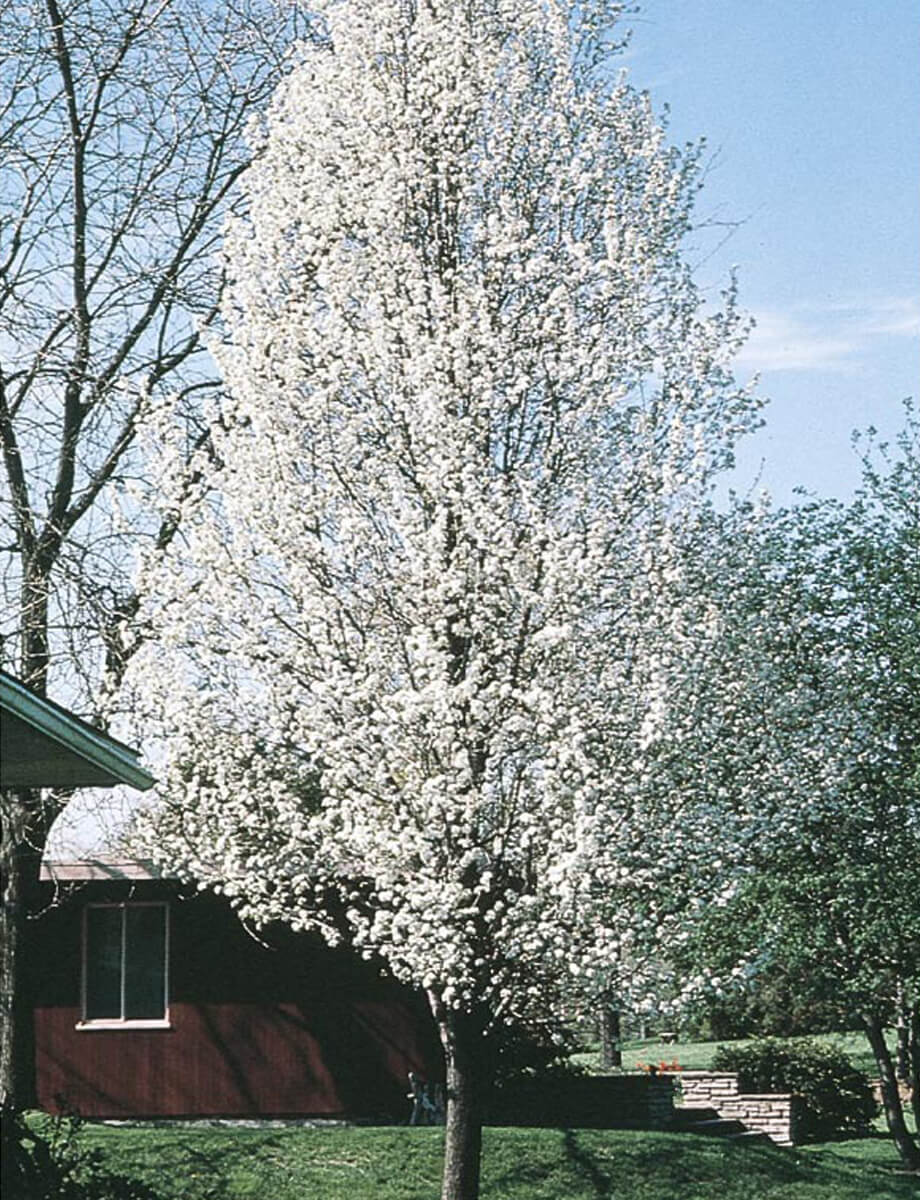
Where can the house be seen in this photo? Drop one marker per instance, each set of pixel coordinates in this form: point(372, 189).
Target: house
point(155, 1001)
point(152, 1000)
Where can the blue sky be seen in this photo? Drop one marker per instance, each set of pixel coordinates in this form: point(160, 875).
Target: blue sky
point(811, 113)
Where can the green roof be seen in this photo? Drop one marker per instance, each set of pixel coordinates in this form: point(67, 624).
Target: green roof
point(43, 744)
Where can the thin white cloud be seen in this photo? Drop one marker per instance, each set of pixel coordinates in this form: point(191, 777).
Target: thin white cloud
point(898, 317)
point(781, 342)
point(826, 337)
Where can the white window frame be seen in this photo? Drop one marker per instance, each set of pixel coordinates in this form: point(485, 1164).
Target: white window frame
point(86, 1023)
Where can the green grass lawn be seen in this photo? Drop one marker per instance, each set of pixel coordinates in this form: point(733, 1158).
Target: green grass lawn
point(201, 1163)
point(697, 1056)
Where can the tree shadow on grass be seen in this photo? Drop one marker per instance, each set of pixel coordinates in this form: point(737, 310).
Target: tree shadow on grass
point(586, 1164)
point(677, 1155)
point(581, 1172)
point(676, 1162)
point(673, 1165)
point(207, 1169)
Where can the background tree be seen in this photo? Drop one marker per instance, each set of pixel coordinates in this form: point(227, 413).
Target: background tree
point(474, 407)
point(827, 647)
point(121, 143)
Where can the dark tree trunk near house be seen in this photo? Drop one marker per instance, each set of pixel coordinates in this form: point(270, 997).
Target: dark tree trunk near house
point(26, 822)
point(609, 1023)
point(468, 1079)
point(21, 840)
point(21, 843)
point(891, 1098)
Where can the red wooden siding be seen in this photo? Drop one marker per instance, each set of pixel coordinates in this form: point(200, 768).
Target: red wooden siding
point(295, 1031)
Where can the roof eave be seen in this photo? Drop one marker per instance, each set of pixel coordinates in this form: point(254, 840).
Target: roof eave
point(115, 760)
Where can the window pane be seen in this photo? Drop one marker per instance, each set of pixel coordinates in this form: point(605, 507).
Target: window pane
point(103, 963)
point(145, 963)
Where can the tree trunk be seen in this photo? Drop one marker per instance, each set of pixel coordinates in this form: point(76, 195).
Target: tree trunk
point(902, 1051)
point(914, 1057)
point(902, 1048)
point(611, 1054)
point(891, 1098)
point(467, 1079)
point(35, 656)
point(20, 861)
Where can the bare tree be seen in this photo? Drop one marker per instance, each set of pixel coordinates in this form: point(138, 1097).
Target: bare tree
point(120, 146)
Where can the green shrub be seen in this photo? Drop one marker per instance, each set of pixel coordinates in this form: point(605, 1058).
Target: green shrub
point(836, 1099)
point(44, 1159)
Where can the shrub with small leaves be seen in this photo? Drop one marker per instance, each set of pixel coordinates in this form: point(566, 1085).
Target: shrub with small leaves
point(44, 1158)
point(836, 1099)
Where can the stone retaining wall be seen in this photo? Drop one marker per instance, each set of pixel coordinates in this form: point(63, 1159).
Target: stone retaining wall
point(708, 1089)
point(659, 1099)
point(774, 1114)
point(587, 1101)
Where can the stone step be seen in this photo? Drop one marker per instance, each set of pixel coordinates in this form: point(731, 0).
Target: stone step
point(689, 1114)
point(692, 1119)
point(715, 1127)
point(751, 1137)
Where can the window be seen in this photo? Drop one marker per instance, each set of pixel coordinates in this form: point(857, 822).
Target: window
point(125, 950)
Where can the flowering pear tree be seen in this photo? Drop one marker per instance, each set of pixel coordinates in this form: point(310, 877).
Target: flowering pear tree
point(422, 644)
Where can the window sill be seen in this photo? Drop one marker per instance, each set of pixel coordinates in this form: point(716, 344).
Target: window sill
point(108, 1026)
